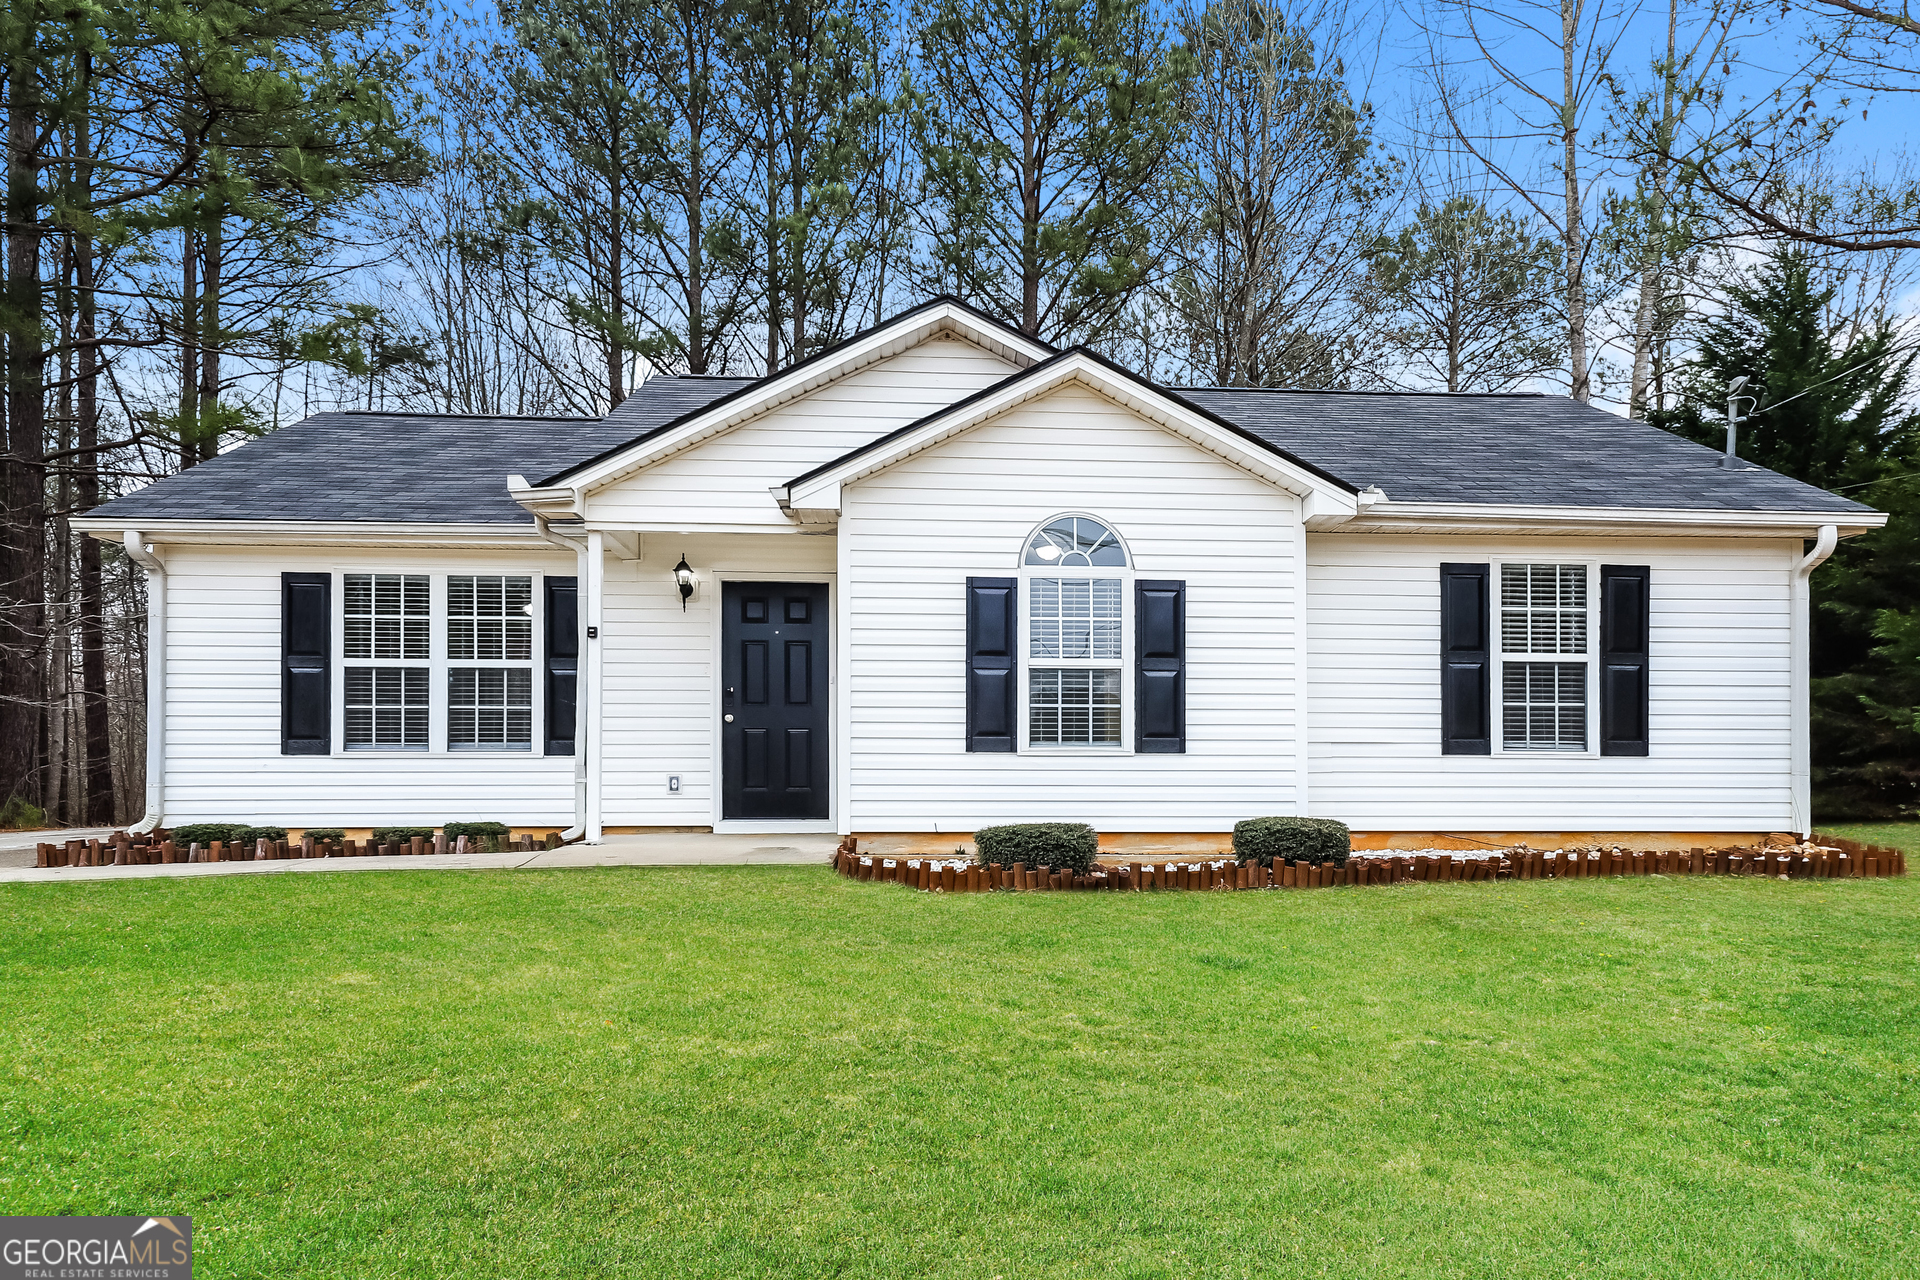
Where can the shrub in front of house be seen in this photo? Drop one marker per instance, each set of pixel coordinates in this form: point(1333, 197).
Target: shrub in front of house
point(205, 833)
point(482, 837)
point(400, 835)
point(317, 834)
point(1069, 846)
point(1310, 840)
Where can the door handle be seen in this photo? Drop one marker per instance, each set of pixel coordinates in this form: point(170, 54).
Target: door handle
point(729, 719)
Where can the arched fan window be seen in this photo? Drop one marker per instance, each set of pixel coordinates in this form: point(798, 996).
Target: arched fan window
point(1075, 542)
point(1076, 574)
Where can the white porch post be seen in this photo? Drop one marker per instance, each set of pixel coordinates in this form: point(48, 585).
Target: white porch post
point(595, 683)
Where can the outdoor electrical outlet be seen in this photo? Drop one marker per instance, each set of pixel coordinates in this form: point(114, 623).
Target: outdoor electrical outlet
point(673, 782)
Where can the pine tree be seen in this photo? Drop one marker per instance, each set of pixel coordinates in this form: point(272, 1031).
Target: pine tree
point(1044, 131)
point(1473, 292)
point(1832, 411)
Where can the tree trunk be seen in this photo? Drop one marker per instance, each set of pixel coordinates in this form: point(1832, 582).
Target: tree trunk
point(23, 540)
point(212, 252)
point(97, 795)
point(1575, 228)
point(189, 349)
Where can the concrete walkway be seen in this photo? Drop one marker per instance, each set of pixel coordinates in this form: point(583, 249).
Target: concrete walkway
point(680, 849)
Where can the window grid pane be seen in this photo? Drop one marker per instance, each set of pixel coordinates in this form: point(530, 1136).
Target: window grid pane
point(1076, 541)
point(487, 619)
point(1543, 608)
point(490, 707)
point(386, 616)
point(387, 707)
point(1544, 706)
point(1076, 618)
point(1075, 705)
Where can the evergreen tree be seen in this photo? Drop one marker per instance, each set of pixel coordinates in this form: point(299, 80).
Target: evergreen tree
point(1044, 130)
point(1832, 411)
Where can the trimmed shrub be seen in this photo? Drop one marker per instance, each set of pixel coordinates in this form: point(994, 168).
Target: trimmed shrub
point(225, 832)
point(400, 835)
point(1309, 840)
point(317, 834)
point(1069, 846)
point(483, 837)
point(21, 814)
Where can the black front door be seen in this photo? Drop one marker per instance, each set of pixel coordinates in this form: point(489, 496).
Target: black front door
point(773, 700)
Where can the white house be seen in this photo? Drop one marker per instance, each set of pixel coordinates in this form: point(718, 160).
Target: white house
point(943, 576)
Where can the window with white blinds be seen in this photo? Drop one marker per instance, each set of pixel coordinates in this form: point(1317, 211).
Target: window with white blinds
point(489, 620)
point(1543, 611)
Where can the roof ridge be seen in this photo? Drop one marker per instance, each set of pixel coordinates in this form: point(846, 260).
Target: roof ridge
point(1352, 391)
point(461, 417)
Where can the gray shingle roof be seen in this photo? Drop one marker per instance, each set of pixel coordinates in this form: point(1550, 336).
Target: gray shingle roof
point(401, 466)
point(1509, 449)
point(1517, 449)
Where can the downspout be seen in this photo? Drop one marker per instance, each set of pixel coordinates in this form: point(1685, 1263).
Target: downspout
point(1802, 719)
point(141, 554)
point(580, 740)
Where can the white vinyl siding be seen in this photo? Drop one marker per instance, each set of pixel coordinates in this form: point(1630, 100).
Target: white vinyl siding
point(1719, 706)
point(223, 706)
point(662, 704)
point(911, 536)
point(724, 481)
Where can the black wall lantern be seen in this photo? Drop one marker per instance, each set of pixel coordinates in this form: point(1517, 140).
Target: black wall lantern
point(683, 574)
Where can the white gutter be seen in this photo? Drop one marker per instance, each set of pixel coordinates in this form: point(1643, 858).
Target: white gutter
point(579, 550)
point(142, 554)
point(1802, 712)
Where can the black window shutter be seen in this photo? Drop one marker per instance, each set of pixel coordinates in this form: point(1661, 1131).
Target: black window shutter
point(563, 662)
point(306, 647)
point(1465, 663)
point(1624, 608)
point(1160, 666)
point(992, 606)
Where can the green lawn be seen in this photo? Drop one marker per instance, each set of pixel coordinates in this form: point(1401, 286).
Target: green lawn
point(774, 1072)
point(1901, 835)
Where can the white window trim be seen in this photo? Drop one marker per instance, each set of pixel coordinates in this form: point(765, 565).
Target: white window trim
point(437, 665)
point(1591, 658)
point(1027, 663)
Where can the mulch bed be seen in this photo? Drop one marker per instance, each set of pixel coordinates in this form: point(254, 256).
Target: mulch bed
point(1826, 858)
point(124, 849)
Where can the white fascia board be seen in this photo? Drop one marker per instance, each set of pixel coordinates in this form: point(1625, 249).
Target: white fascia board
point(561, 501)
point(911, 331)
point(318, 533)
point(821, 493)
point(1463, 517)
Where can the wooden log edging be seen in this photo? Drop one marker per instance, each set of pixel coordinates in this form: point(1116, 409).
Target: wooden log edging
point(1832, 860)
point(125, 849)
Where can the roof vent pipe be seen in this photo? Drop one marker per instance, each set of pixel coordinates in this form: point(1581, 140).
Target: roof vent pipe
point(1732, 459)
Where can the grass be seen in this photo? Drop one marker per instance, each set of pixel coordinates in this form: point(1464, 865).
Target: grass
point(1901, 835)
point(773, 1072)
